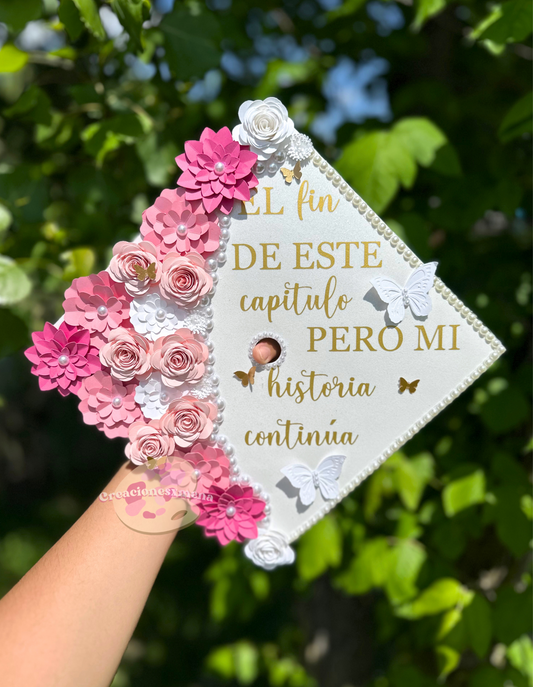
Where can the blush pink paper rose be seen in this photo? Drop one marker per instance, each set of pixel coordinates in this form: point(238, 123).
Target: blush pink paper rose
point(173, 224)
point(233, 514)
point(108, 404)
point(126, 354)
point(98, 304)
point(62, 357)
point(184, 279)
point(122, 266)
point(217, 170)
point(147, 442)
point(180, 357)
point(188, 420)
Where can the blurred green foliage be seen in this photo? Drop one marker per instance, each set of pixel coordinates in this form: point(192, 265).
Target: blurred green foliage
point(422, 576)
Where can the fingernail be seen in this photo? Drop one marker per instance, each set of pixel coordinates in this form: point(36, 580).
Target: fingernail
point(264, 352)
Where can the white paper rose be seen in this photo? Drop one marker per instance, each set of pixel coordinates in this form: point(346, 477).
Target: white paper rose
point(265, 126)
point(270, 550)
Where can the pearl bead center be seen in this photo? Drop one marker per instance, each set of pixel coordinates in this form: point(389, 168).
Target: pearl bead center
point(182, 229)
point(102, 310)
point(220, 167)
point(117, 402)
point(161, 314)
point(63, 360)
point(230, 511)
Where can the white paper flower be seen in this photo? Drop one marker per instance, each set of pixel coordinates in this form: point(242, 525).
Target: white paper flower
point(198, 321)
point(300, 147)
point(204, 390)
point(265, 126)
point(270, 550)
point(154, 316)
point(153, 397)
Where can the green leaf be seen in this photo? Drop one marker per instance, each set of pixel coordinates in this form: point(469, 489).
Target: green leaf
point(448, 660)
point(511, 614)
point(447, 161)
point(505, 411)
point(70, 18)
point(239, 661)
point(158, 159)
point(6, 219)
point(132, 14)
point(79, 263)
point(526, 502)
point(520, 655)
point(320, 548)
point(103, 137)
point(191, 42)
point(478, 624)
point(512, 26)
point(377, 163)
point(440, 596)
point(12, 59)
point(17, 13)
point(512, 525)
point(369, 568)
point(14, 283)
point(426, 9)
point(33, 105)
point(412, 476)
point(89, 15)
point(518, 121)
point(13, 333)
point(406, 560)
point(463, 493)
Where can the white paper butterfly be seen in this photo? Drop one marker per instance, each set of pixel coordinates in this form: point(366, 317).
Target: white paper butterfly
point(308, 481)
point(414, 295)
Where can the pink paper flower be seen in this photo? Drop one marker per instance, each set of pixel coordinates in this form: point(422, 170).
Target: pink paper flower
point(233, 514)
point(98, 304)
point(180, 358)
point(188, 420)
point(184, 279)
point(122, 266)
point(217, 170)
point(108, 404)
point(127, 354)
point(147, 442)
point(62, 357)
point(210, 467)
point(174, 224)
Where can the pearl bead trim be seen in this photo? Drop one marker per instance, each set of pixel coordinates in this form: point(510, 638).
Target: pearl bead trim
point(470, 318)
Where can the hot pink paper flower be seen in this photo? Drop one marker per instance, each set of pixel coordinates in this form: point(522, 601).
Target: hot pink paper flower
point(209, 464)
point(127, 354)
point(108, 404)
point(122, 266)
point(217, 170)
point(189, 420)
point(98, 304)
point(173, 224)
point(233, 514)
point(184, 279)
point(180, 358)
point(62, 357)
point(147, 442)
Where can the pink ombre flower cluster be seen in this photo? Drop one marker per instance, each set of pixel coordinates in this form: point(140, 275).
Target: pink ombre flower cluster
point(98, 354)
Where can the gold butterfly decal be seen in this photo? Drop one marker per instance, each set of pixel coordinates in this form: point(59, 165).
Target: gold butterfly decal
point(246, 378)
point(404, 384)
point(290, 174)
point(156, 462)
point(144, 274)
